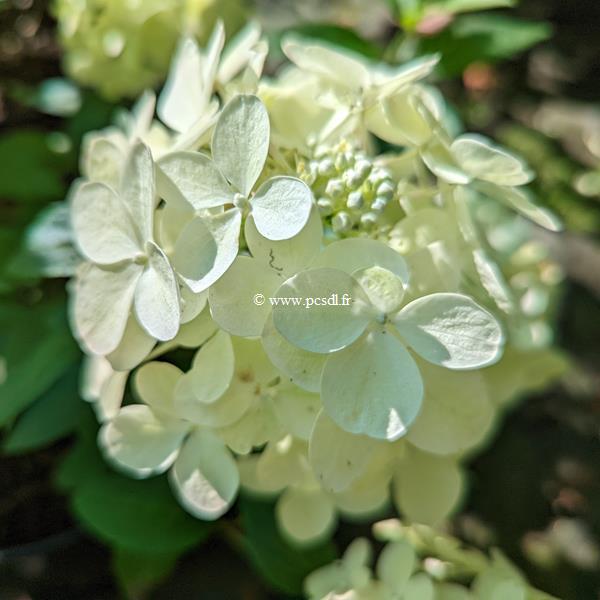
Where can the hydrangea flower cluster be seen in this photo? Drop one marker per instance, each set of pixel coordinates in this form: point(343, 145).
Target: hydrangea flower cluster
point(352, 327)
point(418, 562)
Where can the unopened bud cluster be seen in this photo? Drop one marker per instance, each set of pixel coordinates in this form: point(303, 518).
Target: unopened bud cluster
point(352, 193)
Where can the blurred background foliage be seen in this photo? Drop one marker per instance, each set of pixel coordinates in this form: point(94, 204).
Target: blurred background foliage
point(526, 73)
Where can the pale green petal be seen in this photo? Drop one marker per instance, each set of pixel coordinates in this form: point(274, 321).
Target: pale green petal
point(139, 442)
point(344, 68)
point(457, 412)
point(479, 157)
point(384, 289)
point(357, 253)
point(336, 456)
point(212, 369)
point(195, 177)
point(241, 141)
point(257, 427)
point(157, 296)
point(104, 230)
point(296, 409)
point(366, 498)
point(452, 591)
point(197, 331)
point(239, 300)
point(154, 384)
point(103, 299)
point(451, 330)
point(137, 190)
point(283, 463)
point(133, 348)
point(228, 409)
point(204, 477)
point(373, 387)
point(438, 157)
point(95, 371)
point(281, 207)
point(395, 565)
point(520, 201)
point(252, 365)
point(302, 367)
point(206, 248)
point(399, 121)
point(111, 396)
point(184, 96)
point(317, 319)
point(420, 587)
point(286, 257)
point(305, 516)
point(427, 488)
point(492, 279)
point(249, 479)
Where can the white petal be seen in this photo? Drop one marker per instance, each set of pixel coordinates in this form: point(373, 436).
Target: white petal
point(373, 387)
point(336, 456)
point(140, 443)
point(102, 160)
point(438, 157)
point(384, 289)
point(305, 517)
point(479, 157)
point(238, 52)
point(239, 300)
point(344, 68)
point(457, 412)
point(111, 396)
point(241, 141)
point(302, 367)
point(138, 188)
point(103, 299)
point(195, 177)
point(184, 97)
point(192, 304)
point(154, 384)
point(206, 249)
point(157, 297)
point(326, 311)
point(520, 201)
point(281, 207)
point(103, 227)
point(427, 488)
point(286, 257)
point(451, 330)
point(204, 477)
point(357, 253)
point(133, 348)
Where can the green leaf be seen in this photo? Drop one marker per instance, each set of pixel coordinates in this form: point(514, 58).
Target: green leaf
point(37, 346)
point(138, 572)
point(483, 38)
point(53, 416)
point(461, 6)
point(283, 566)
point(32, 172)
